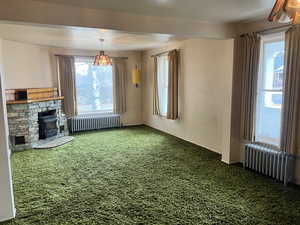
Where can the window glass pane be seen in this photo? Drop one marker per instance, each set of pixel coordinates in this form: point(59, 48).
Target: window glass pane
point(268, 118)
point(273, 62)
point(269, 98)
point(94, 87)
point(162, 83)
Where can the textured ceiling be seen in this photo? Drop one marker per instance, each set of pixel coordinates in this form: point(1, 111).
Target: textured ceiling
point(222, 11)
point(81, 38)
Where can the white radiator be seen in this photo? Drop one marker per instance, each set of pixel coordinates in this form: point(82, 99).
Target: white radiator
point(273, 163)
point(93, 122)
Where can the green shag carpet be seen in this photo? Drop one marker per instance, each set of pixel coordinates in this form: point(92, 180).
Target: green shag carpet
point(141, 176)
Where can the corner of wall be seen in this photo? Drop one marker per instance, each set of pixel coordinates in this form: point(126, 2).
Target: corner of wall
point(6, 191)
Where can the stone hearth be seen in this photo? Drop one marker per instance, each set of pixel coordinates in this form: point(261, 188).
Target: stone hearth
point(23, 122)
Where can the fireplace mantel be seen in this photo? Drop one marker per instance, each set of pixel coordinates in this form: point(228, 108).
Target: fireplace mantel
point(31, 95)
point(11, 102)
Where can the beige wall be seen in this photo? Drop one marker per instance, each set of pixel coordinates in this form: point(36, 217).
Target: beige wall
point(133, 116)
point(7, 210)
point(236, 153)
point(32, 66)
point(204, 93)
point(207, 99)
point(26, 65)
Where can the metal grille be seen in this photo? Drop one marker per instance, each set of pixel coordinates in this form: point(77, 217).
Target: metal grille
point(273, 163)
point(93, 122)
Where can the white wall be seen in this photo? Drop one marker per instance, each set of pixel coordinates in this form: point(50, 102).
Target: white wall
point(26, 65)
point(7, 210)
point(204, 93)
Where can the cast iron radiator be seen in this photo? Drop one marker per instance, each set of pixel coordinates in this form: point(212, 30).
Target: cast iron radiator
point(273, 163)
point(93, 122)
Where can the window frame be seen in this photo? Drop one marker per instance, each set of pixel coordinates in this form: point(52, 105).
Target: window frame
point(261, 90)
point(89, 59)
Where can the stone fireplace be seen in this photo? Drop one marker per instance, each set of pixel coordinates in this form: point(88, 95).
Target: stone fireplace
point(33, 121)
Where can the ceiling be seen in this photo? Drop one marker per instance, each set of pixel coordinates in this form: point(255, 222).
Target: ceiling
point(82, 38)
point(221, 11)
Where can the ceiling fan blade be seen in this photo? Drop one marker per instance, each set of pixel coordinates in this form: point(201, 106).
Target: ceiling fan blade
point(277, 10)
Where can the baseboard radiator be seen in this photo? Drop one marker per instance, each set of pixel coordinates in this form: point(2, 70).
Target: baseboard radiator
point(93, 122)
point(273, 163)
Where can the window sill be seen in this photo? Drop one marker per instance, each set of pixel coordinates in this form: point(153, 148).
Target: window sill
point(266, 145)
point(96, 113)
point(162, 116)
point(271, 106)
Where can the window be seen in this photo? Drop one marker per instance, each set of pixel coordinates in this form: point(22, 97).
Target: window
point(162, 83)
point(94, 87)
point(270, 90)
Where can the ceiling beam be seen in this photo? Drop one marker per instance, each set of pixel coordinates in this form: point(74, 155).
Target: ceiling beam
point(31, 11)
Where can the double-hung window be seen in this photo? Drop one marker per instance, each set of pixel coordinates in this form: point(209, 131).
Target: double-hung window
point(270, 90)
point(94, 87)
point(162, 83)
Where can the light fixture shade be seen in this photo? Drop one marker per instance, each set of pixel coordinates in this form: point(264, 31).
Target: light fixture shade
point(293, 4)
point(136, 76)
point(293, 10)
point(286, 11)
point(102, 60)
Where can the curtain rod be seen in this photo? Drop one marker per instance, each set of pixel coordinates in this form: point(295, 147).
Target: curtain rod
point(270, 30)
point(162, 53)
point(274, 29)
point(113, 57)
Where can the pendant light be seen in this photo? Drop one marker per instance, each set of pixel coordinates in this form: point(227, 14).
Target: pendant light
point(286, 11)
point(102, 59)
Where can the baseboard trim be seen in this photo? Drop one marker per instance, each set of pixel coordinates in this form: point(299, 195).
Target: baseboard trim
point(201, 146)
point(133, 125)
point(225, 162)
point(296, 181)
point(9, 218)
point(231, 163)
